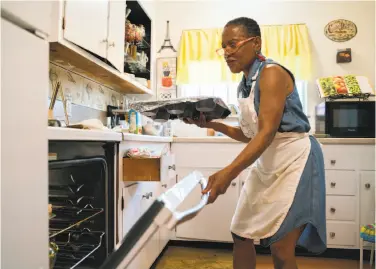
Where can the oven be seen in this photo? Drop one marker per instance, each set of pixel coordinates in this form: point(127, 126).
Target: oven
point(343, 118)
point(82, 187)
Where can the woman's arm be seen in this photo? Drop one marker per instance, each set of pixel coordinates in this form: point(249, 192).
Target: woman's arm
point(275, 86)
point(233, 132)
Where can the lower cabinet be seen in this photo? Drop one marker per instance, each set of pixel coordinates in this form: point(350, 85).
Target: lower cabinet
point(213, 222)
point(137, 199)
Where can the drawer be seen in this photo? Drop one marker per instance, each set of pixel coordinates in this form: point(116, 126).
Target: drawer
point(148, 169)
point(340, 182)
point(341, 234)
point(341, 208)
point(340, 156)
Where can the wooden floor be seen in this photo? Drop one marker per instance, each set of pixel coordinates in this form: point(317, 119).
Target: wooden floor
point(191, 258)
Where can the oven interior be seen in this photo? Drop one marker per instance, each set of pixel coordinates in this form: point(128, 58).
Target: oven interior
point(81, 192)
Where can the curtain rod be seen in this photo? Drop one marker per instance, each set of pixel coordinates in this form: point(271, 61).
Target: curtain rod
point(198, 29)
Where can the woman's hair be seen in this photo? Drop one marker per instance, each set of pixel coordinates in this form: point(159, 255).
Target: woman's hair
point(250, 25)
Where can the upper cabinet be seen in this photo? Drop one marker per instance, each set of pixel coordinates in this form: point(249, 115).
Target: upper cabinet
point(90, 38)
point(32, 15)
point(86, 24)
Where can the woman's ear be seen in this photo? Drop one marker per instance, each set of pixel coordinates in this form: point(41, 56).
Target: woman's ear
point(257, 44)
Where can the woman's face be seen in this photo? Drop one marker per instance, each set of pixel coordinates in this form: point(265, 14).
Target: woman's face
point(239, 57)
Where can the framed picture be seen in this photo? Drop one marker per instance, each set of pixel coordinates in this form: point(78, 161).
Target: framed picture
point(344, 56)
point(166, 78)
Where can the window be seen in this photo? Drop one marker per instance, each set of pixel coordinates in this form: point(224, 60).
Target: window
point(228, 91)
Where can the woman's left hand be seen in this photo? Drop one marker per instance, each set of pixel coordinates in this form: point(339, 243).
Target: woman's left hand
point(218, 183)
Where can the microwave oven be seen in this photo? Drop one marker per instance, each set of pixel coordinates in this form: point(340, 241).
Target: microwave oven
point(345, 118)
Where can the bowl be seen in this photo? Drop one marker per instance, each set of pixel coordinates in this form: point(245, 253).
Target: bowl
point(162, 116)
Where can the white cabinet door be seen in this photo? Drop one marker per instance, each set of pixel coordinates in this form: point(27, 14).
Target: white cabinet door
point(367, 197)
point(32, 15)
point(86, 24)
point(213, 222)
point(116, 34)
point(150, 251)
point(131, 213)
point(165, 234)
point(24, 80)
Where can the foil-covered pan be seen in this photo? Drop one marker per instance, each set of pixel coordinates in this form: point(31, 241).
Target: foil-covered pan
point(189, 107)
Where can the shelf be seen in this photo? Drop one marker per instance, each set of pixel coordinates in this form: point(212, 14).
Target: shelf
point(76, 246)
point(77, 60)
point(68, 218)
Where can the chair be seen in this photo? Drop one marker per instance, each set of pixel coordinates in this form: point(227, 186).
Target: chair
point(367, 234)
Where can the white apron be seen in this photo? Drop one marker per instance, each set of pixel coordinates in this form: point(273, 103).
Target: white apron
point(269, 190)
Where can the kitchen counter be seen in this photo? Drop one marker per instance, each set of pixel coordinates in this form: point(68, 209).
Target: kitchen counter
point(61, 133)
point(146, 138)
point(216, 139)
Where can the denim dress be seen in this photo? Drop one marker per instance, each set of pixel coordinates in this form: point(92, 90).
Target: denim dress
point(307, 206)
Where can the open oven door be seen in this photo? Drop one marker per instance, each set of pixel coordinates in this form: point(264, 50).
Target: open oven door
point(162, 213)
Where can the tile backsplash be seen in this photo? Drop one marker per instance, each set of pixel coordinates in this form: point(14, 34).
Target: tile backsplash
point(82, 91)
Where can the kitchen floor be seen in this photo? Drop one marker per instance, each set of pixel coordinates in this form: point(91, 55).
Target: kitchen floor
point(198, 258)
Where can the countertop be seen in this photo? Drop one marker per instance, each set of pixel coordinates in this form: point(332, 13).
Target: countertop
point(216, 139)
point(61, 133)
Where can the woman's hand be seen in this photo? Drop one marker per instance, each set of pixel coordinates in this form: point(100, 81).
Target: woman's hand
point(201, 122)
point(219, 183)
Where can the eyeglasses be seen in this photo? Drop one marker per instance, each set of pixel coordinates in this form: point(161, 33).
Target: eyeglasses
point(233, 47)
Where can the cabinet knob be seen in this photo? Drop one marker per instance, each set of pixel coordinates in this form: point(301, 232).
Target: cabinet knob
point(368, 186)
point(103, 41)
point(332, 184)
point(172, 167)
point(243, 183)
point(147, 195)
point(332, 235)
point(111, 44)
point(164, 185)
point(333, 210)
point(233, 184)
point(332, 162)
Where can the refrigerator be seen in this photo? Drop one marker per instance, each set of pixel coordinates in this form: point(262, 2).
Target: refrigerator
point(24, 144)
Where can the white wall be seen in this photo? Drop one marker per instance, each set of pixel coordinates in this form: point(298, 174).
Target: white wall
point(316, 14)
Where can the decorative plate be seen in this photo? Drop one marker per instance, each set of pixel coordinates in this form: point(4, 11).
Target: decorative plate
point(340, 30)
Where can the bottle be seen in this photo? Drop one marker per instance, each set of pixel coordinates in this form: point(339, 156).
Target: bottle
point(133, 122)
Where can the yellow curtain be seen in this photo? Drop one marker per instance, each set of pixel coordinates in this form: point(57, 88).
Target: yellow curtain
point(286, 44)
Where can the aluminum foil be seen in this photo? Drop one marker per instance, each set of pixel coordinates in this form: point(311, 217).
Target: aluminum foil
point(190, 107)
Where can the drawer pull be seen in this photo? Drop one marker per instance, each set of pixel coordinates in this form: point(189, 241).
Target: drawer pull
point(368, 186)
point(172, 167)
point(164, 185)
point(233, 184)
point(243, 183)
point(332, 162)
point(333, 210)
point(332, 235)
point(333, 184)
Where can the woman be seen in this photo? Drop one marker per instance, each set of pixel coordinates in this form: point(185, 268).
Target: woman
point(282, 203)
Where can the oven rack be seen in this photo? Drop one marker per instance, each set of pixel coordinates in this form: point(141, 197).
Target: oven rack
point(72, 252)
point(67, 218)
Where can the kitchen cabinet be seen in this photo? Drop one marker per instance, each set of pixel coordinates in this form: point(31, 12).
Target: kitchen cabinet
point(350, 190)
point(116, 32)
point(86, 24)
point(213, 222)
point(139, 196)
point(88, 38)
point(31, 15)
